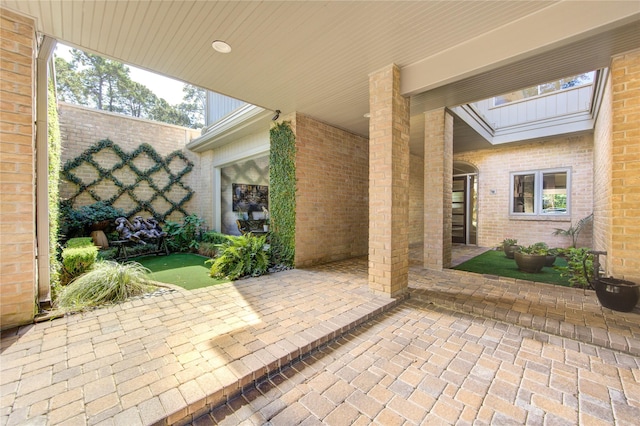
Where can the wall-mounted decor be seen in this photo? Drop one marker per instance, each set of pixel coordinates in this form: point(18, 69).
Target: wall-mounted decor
point(250, 198)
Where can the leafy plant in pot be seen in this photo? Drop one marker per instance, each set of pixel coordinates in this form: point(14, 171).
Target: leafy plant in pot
point(509, 246)
point(92, 217)
point(531, 258)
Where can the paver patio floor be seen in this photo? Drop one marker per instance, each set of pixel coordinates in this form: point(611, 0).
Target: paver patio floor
point(462, 348)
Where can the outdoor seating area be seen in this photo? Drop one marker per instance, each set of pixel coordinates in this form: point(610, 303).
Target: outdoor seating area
point(316, 344)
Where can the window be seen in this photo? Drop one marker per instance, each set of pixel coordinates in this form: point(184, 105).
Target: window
point(541, 192)
point(541, 89)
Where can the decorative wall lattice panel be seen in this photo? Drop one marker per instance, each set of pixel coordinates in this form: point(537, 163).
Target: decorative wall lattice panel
point(141, 182)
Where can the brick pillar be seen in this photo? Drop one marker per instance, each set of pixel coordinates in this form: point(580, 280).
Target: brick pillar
point(438, 178)
point(17, 171)
point(624, 252)
point(388, 184)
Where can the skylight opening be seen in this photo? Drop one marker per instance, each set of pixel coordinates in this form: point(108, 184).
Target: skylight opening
point(546, 88)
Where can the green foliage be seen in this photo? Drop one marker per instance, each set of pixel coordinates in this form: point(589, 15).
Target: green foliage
point(108, 282)
point(214, 237)
point(579, 262)
point(105, 84)
point(240, 256)
point(208, 249)
point(282, 194)
point(574, 231)
point(79, 242)
point(509, 242)
point(77, 221)
point(77, 259)
point(54, 151)
point(185, 236)
point(175, 181)
point(537, 249)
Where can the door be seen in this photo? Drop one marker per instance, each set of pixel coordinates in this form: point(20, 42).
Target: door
point(464, 213)
point(459, 210)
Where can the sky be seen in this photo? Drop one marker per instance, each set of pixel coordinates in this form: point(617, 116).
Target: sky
point(168, 89)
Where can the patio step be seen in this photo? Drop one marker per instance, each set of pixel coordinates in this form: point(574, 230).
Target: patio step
point(570, 313)
point(272, 359)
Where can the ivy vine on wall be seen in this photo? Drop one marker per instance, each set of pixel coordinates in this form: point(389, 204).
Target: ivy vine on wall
point(106, 174)
point(282, 197)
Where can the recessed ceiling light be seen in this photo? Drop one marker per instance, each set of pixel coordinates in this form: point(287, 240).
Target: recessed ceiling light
point(221, 46)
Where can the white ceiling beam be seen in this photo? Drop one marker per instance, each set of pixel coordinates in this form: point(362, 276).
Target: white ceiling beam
point(558, 25)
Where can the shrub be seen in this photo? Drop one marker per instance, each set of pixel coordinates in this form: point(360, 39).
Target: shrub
point(108, 282)
point(80, 242)
point(208, 249)
point(75, 222)
point(214, 237)
point(186, 236)
point(578, 260)
point(77, 259)
point(240, 256)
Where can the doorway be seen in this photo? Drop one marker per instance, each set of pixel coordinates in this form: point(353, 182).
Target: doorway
point(464, 202)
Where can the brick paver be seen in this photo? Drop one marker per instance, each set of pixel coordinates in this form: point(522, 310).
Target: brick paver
point(463, 349)
point(485, 388)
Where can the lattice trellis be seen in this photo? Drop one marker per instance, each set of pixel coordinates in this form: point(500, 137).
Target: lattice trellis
point(142, 178)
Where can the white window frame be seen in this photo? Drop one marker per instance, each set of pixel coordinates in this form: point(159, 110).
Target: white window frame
point(538, 192)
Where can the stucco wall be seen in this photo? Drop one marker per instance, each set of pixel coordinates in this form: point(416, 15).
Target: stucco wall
point(332, 198)
point(494, 166)
point(17, 171)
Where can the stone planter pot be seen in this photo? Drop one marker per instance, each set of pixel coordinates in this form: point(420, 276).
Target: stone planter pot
point(551, 259)
point(531, 263)
point(616, 294)
point(509, 250)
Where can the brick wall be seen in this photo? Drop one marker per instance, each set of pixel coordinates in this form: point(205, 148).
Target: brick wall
point(438, 176)
point(17, 170)
point(81, 128)
point(602, 175)
point(624, 251)
point(494, 166)
point(332, 192)
point(416, 200)
point(388, 183)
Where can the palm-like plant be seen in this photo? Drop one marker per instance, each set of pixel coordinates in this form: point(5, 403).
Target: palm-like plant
point(574, 231)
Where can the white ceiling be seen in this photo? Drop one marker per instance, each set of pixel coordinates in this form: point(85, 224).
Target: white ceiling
point(315, 57)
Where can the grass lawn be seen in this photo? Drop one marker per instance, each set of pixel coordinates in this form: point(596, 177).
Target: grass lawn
point(494, 262)
point(186, 270)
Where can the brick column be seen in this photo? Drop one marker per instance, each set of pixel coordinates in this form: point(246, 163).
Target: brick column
point(17, 171)
point(438, 178)
point(388, 184)
point(624, 252)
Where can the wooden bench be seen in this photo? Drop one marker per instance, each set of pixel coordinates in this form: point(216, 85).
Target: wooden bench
point(122, 254)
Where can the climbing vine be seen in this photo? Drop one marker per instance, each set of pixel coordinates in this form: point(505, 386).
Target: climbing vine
point(282, 180)
point(54, 151)
point(107, 174)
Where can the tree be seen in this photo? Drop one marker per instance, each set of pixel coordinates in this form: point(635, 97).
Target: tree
point(100, 77)
point(68, 83)
point(101, 83)
point(194, 107)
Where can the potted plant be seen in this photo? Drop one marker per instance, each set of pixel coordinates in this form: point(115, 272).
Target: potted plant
point(509, 246)
point(92, 217)
point(531, 258)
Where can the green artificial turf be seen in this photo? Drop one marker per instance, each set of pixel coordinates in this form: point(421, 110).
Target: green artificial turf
point(186, 270)
point(494, 262)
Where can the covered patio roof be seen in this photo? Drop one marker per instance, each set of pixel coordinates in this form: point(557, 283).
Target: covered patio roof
point(315, 57)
